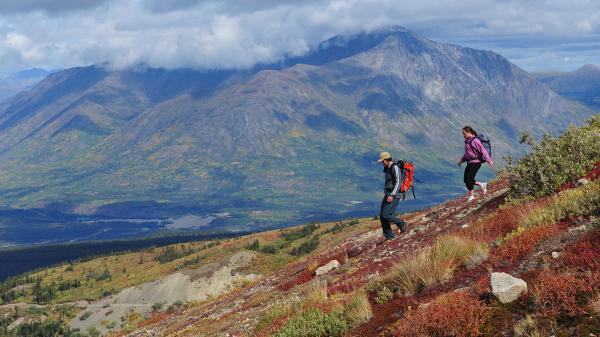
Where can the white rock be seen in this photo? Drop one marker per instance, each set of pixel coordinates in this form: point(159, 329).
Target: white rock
point(507, 288)
point(582, 181)
point(331, 265)
point(464, 226)
point(555, 255)
point(577, 229)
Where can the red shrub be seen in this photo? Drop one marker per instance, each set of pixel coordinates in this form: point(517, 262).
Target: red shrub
point(584, 255)
point(346, 287)
point(594, 173)
point(482, 286)
point(456, 314)
point(500, 223)
point(519, 246)
point(355, 251)
point(301, 278)
point(558, 294)
point(339, 256)
point(503, 221)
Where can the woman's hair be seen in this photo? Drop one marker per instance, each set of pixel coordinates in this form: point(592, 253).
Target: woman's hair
point(470, 130)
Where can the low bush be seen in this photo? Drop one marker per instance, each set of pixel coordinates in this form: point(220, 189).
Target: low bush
point(171, 253)
point(584, 255)
point(270, 316)
point(315, 323)
point(383, 295)
point(85, 315)
point(520, 243)
point(555, 161)
point(306, 247)
point(581, 201)
point(456, 314)
point(269, 249)
point(303, 277)
point(304, 231)
point(563, 294)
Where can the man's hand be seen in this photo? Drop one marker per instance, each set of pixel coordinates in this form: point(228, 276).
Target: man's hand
point(389, 199)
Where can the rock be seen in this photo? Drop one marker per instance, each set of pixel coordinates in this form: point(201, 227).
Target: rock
point(507, 288)
point(582, 182)
point(464, 226)
point(331, 265)
point(577, 229)
point(555, 255)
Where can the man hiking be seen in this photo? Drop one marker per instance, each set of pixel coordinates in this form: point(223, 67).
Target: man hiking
point(391, 196)
point(475, 154)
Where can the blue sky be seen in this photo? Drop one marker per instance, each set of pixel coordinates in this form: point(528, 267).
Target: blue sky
point(536, 35)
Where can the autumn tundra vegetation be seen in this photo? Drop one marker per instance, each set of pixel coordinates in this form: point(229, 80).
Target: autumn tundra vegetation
point(538, 224)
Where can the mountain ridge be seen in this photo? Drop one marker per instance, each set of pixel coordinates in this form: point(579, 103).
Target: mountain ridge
point(266, 138)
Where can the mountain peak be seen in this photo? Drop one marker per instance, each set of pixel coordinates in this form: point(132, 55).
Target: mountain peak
point(391, 29)
point(587, 68)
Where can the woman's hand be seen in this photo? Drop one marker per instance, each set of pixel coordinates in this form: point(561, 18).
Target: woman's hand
point(491, 163)
point(389, 199)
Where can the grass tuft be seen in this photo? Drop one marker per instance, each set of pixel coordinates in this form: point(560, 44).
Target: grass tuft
point(435, 264)
point(527, 327)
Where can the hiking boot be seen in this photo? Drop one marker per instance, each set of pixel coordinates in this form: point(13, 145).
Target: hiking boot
point(484, 188)
point(402, 226)
point(471, 198)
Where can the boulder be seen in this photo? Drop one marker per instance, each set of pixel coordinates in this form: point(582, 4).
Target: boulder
point(331, 265)
point(582, 182)
point(507, 288)
point(555, 255)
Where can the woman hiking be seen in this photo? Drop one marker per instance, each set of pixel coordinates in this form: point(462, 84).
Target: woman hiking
point(474, 155)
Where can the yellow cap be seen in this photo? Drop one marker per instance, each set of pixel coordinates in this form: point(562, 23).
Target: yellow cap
point(384, 155)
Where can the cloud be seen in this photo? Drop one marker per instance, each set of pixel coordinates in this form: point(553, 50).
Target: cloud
point(208, 34)
point(51, 6)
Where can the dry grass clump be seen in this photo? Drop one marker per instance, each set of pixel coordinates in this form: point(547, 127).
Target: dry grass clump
point(358, 309)
point(527, 327)
point(317, 292)
point(435, 264)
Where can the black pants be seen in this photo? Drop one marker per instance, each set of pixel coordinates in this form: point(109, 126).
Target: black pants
point(386, 216)
point(470, 173)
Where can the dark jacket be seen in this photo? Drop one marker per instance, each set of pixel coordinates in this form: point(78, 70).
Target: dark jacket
point(392, 180)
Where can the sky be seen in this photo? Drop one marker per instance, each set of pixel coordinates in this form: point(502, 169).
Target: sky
point(206, 34)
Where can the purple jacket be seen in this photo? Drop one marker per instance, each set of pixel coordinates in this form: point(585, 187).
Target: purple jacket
point(473, 148)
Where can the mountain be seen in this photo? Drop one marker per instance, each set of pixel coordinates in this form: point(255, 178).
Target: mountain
point(270, 145)
point(20, 81)
point(581, 85)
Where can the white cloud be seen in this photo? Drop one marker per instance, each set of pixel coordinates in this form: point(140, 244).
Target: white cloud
point(228, 33)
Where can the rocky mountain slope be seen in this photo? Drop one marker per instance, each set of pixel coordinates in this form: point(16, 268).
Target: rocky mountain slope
point(582, 85)
point(20, 81)
point(271, 144)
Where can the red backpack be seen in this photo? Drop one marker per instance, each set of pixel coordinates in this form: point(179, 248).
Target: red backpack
point(407, 174)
